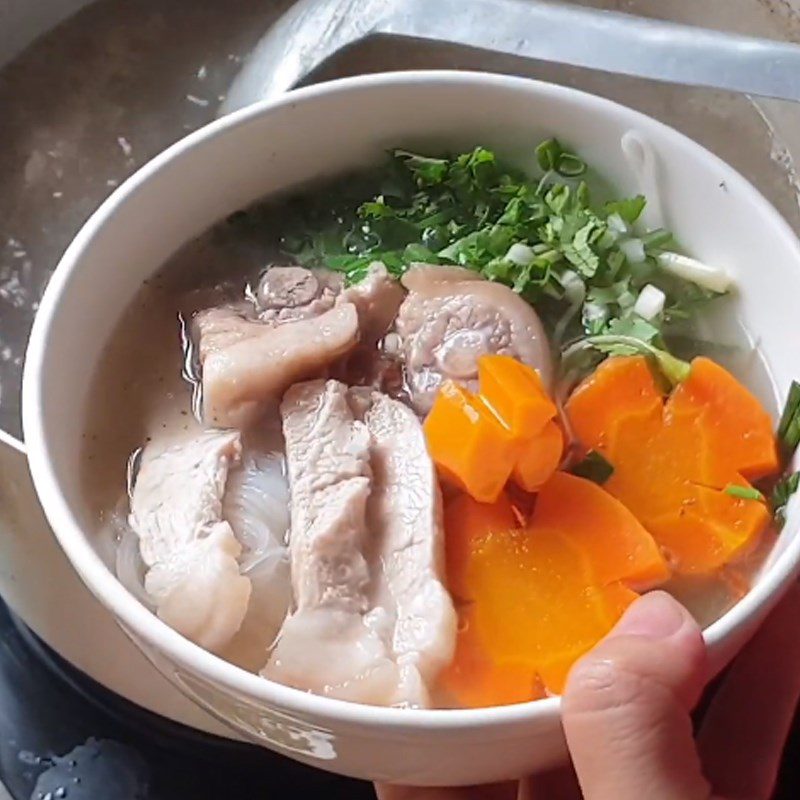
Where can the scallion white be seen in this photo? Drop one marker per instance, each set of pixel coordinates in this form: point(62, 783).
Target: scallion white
point(650, 302)
point(617, 224)
point(634, 251)
point(715, 279)
point(520, 254)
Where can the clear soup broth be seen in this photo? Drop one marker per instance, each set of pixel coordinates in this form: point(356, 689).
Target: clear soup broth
point(307, 508)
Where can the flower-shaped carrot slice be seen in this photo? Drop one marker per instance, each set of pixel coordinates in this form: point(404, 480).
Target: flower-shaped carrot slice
point(674, 456)
point(533, 599)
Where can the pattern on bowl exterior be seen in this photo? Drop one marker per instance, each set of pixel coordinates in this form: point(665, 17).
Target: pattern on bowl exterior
point(328, 129)
point(289, 734)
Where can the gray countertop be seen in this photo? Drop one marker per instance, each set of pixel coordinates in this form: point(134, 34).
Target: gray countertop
point(83, 111)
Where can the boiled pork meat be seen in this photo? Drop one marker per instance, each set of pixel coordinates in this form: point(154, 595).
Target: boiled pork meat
point(408, 557)
point(373, 622)
point(377, 299)
point(190, 552)
point(286, 294)
point(451, 317)
point(248, 365)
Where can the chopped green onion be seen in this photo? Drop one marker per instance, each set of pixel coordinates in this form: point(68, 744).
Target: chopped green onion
point(548, 153)
point(553, 158)
point(570, 166)
point(650, 302)
point(629, 209)
point(789, 426)
point(744, 492)
point(690, 269)
point(783, 491)
point(595, 467)
point(656, 239)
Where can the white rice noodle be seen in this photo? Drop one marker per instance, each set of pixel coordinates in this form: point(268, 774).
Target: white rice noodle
point(575, 293)
point(643, 161)
point(256, 504)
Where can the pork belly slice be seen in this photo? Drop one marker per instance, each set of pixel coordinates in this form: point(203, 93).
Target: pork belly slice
point(191, 553)
point(373, 622)
point(247, 365)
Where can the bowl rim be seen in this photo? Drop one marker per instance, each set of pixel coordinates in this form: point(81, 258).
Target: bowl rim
point(167, 642)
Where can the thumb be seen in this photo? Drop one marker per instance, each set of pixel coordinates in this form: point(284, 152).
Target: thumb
point(627, 704)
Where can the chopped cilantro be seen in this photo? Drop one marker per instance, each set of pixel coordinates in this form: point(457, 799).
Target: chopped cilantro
point(470, 209)
point(635, 327)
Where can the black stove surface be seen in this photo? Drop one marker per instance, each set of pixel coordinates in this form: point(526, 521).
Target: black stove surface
point(64, 737)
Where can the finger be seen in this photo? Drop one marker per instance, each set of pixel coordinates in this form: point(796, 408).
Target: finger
point(626, 707)
point(499, 791)
point(745, 728)
point(559, 784)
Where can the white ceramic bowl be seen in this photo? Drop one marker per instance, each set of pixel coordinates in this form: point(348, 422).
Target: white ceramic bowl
point(322, 130)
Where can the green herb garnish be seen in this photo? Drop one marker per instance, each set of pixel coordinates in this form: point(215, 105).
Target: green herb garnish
point(552, 157)
point(744, 492)
point(594, 467)
point(470, 209)
point(629, 210)
point(789, 425)
point(673, 369)
point(788, 439)
point(783, 491)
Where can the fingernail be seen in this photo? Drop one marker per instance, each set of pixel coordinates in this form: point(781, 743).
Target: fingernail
point(655, 615)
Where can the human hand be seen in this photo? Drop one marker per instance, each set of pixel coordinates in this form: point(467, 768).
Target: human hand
point(627, 707)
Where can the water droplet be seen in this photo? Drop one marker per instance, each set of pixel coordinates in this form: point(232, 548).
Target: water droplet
point(26, 757)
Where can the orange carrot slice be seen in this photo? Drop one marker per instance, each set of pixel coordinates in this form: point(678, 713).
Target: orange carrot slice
point(618, 547)
point(539, 458)
point(532, 600)
point(470, 447)
point(514, 391)
point(473, 680)
point(477, 440)
point(470, 521)
point(674, 456)
point(739, 429)
point(617, 389)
